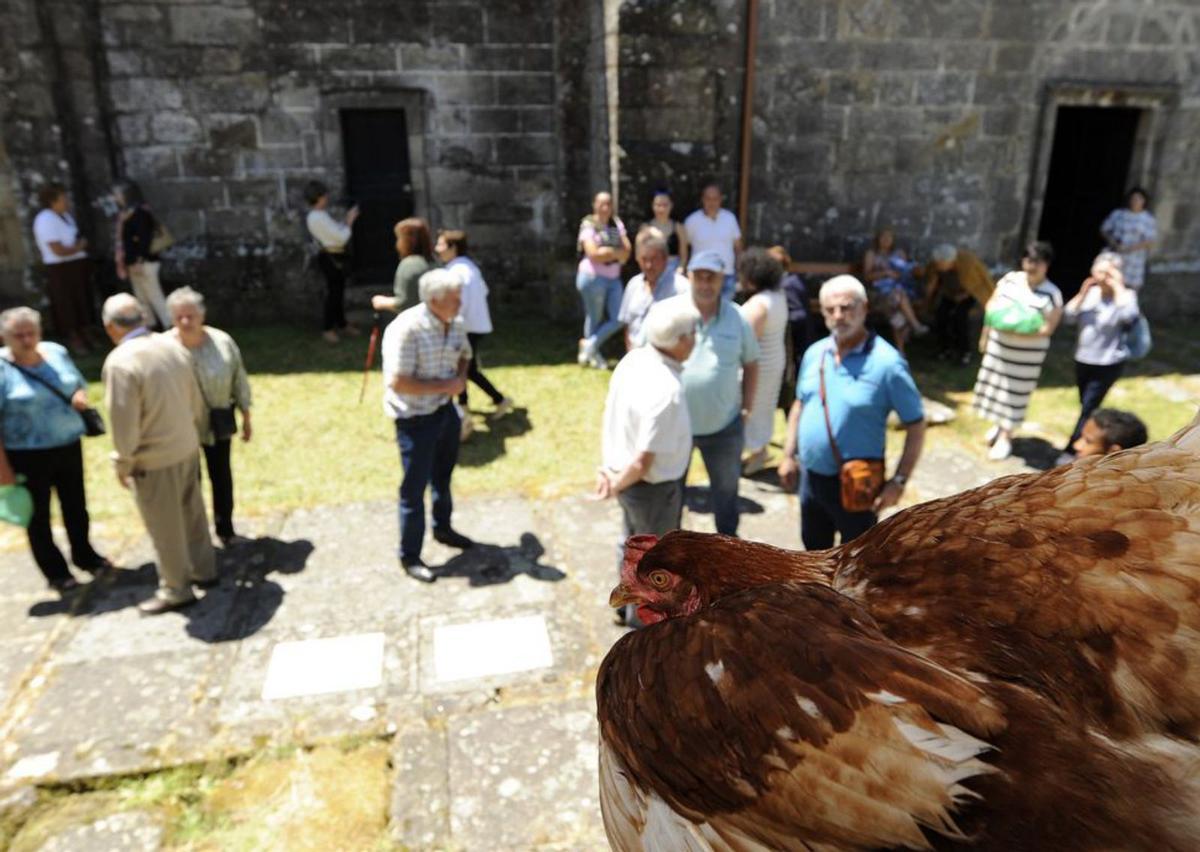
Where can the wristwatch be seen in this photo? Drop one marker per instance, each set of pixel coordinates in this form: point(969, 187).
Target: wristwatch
point(900, 479)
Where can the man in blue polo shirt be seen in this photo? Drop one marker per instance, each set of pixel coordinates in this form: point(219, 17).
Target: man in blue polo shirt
point(865, 380)
point(718, 383)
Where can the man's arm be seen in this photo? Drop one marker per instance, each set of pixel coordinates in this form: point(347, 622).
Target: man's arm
point(749, 385)
point(788, 466)
point(609, 484)
point(121, 398)
point(914, 442)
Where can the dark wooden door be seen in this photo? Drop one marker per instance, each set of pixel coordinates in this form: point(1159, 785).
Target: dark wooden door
point(379, 181)
point(1089, 168)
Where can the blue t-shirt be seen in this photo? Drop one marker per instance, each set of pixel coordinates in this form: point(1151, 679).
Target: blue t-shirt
point(712, 374)
point(31, 416)
point(871, 381)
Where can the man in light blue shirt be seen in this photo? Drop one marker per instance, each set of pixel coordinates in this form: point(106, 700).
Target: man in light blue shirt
point(865, 380)
point(718, 382)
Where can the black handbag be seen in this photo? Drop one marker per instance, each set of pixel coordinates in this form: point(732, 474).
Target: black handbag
point(221, 421)
point(93, 422)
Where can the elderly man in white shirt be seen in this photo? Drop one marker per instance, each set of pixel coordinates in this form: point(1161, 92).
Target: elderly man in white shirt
point(713, 228)
point(451, 249)
point(333, 237)
point(647, 436)
point(425, 357)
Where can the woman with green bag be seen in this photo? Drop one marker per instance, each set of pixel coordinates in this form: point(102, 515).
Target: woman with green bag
point(42, 401)
point(1018, 321)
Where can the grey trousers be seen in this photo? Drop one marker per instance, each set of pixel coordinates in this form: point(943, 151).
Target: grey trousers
point(648, 509)
point(172, 509)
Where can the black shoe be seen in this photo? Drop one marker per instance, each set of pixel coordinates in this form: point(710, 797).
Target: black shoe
point(210, 583)
point(450, 538)
point(66, 588)
point(97, 567)
point(418, 570)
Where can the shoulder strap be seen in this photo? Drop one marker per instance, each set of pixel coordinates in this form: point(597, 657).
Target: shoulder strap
point(837, 455)
point(196, 373)
point(35, 377)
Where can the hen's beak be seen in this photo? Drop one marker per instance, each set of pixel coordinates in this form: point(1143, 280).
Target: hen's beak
point(623, 595)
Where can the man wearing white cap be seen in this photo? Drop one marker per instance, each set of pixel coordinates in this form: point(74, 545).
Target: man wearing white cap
point(718, 382)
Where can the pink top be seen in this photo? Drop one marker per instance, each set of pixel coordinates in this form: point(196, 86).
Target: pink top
point(609, 235)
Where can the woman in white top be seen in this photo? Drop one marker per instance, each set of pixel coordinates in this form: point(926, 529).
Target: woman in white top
point(332, 236)
point(451, 249)
point(1131, 231)
point(767, 312)
point(68, 271)
point(1012, 358)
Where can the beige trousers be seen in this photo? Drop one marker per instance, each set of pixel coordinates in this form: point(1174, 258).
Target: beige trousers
point(144, 279)
point(172, 509)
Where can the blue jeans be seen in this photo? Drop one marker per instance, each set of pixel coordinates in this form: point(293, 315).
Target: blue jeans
point(729, 287)
point(821, 513)
point(601, 305)
point(428, 453)
point(722, 454)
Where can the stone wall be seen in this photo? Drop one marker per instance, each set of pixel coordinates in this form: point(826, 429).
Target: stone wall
point(223, 109)
point(931, 116)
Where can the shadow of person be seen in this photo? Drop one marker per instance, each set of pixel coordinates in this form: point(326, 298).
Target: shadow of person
point(491, 565)
point(698, 499)
point(486, 445)
point(243, 601)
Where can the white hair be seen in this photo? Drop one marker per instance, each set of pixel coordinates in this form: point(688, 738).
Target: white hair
point(669, 321)
point(15, 316)
point(123, 311)
point(648, 239)
point(1109, 256)
point(437, 284)
point(944, 253)
point(185, 296)
point(843, 284)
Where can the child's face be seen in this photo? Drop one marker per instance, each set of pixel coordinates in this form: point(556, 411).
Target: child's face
point(1092, 442)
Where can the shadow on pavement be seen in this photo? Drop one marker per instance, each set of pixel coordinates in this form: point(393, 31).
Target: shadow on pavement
point(698, 499)
point(490, 564)
point(242, 603)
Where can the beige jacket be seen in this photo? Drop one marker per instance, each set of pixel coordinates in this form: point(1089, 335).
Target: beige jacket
point(154, 405)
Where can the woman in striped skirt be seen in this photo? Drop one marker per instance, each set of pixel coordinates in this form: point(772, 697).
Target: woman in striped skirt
point(1012, 361)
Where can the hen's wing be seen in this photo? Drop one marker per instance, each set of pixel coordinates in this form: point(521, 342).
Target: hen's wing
point(781, 718)
point(1083, 582)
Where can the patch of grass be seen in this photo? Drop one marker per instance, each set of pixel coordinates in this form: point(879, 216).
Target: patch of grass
point(315, 444)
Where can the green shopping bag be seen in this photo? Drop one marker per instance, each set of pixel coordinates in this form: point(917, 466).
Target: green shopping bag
point(1016, 317)
point(16, 503)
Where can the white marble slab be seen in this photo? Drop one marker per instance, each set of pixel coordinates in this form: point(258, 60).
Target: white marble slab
point(319, 666)
point(483, 648)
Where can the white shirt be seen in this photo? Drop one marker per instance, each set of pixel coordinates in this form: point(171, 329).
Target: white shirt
point(331, 234)
point(419, 345)
point(50, 227)
point(646, 412)
point(719, 235)
point(474, 311)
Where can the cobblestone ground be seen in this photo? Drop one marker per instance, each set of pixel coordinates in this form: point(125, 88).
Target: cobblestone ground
point(483, 681)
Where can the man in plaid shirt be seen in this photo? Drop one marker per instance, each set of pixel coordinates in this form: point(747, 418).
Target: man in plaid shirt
point(425, 358)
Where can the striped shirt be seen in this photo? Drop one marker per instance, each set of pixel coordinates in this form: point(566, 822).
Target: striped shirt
point(419, 345)
point(1012, 363)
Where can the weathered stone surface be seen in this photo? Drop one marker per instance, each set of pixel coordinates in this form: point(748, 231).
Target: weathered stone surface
point(126, 831)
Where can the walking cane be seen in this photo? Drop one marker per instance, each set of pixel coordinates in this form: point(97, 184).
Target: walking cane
point(370, 356)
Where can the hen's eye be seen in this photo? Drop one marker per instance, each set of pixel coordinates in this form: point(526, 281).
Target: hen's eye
point(659, 579)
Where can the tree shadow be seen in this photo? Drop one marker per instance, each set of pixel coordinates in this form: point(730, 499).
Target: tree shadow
point(244, 600)
point(487, 445)
point(491, 565)
point(698, 499)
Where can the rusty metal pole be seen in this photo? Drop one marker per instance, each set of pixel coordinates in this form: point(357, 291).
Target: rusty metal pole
point(747, 111)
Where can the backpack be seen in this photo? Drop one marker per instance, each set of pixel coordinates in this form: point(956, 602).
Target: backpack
point(1136, 338)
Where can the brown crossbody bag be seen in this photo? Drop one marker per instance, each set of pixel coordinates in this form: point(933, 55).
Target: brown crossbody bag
point(861, 479)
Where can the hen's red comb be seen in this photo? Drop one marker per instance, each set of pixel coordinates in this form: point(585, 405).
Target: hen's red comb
point(636, 547)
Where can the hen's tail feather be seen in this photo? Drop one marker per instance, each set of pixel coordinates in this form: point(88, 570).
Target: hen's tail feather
point(1188, 438)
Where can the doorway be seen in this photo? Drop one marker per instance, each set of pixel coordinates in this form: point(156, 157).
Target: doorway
point(1089, 168)
point(379, 181)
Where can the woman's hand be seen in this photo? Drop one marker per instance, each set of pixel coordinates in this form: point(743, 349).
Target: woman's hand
point(247, 429)
point(383, 303)
point(79, 400)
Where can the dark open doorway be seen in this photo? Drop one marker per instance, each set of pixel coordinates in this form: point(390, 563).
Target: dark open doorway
point(1089, 168)
point(379, 181)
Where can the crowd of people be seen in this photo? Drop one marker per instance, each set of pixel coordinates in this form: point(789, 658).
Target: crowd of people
point(716, 339)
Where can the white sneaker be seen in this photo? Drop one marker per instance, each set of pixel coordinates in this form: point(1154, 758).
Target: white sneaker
point(992, 435)
point(920, 329)
point(599, 361)
point(1000, 450)
point(504, 406)
point(585, 353)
